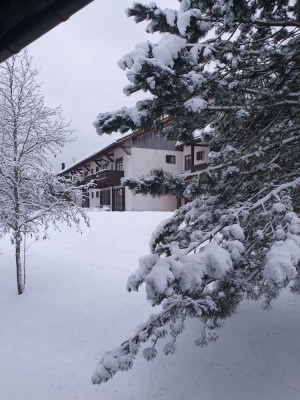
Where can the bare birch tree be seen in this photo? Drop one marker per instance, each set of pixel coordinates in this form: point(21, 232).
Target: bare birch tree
point(31, 196)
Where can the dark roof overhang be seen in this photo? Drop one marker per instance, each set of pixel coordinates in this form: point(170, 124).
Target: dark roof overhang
point(23, 21)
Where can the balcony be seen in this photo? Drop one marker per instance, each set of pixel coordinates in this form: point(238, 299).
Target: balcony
point(106, 178)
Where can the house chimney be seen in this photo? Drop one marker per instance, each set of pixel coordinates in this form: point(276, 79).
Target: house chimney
point(63, 165)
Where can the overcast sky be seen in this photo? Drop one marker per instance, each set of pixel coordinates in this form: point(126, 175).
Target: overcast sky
point(78, 68)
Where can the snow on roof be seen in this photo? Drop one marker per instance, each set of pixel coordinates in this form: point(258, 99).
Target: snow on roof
point(104, 147)
point(81, 160)
point(108, 145)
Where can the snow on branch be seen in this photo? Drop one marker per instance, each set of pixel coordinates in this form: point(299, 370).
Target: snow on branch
point(238, 236)
point(122, 358)
point(31, 195)
point(292, 184)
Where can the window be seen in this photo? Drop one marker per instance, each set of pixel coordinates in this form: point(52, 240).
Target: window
point(187, 162)
point(170, 159)
point(119, 164)
point(97, 169)
point(92, 195)
point(105, 198)
point(97, 194)
point(92, 171)
point(106, 166)
point(199, 155)
point(85, 174)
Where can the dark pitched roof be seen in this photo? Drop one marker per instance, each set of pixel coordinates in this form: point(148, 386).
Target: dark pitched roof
point(23, 21)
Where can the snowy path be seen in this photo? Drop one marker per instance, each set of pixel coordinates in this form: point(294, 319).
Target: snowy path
point(76, 306)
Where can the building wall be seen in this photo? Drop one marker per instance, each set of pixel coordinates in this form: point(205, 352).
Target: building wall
point(118, 153)
point(148, 203)
point(144, 160)
point(129, 200)
point(94, 201)
point(205, 150)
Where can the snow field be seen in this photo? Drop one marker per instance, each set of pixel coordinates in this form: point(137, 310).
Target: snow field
point(75, 307)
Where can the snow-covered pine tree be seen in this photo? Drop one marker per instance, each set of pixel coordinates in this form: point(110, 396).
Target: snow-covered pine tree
point(31, 196)
point(157, 183)
point(232, 67)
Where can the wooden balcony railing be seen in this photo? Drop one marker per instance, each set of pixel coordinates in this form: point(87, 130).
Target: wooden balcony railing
point(105, 178)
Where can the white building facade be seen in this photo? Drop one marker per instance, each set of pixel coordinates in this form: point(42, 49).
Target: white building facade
point(133, 156)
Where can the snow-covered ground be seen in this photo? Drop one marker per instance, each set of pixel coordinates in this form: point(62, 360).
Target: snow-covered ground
point(75, 307)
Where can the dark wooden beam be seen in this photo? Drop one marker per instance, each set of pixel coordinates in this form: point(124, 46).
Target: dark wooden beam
point(126, 150)
point(97, 162)
point(102, 159)
point(192, 155)
point(109, 157)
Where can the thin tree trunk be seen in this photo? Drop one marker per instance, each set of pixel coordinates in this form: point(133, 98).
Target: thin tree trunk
point(24, 260)
point(20, 272)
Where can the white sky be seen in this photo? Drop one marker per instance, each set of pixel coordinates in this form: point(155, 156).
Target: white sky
point(78, 68)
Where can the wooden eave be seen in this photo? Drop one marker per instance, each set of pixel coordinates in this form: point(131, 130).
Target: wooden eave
point(24, 21)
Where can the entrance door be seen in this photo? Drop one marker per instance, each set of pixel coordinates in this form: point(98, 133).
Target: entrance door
point(105, 198)
point(85, 199)
point(120, 199)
